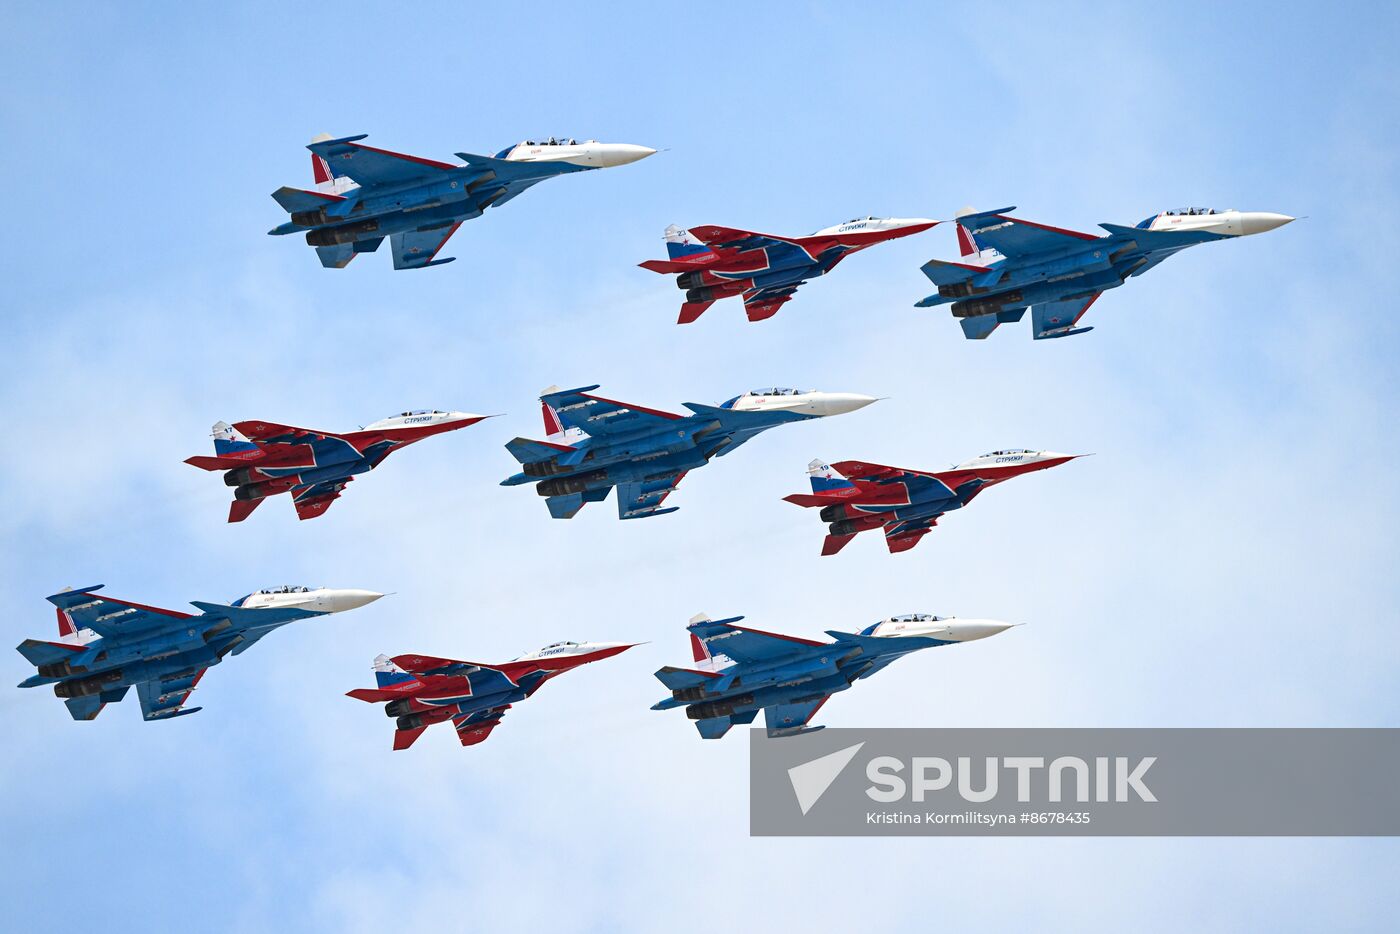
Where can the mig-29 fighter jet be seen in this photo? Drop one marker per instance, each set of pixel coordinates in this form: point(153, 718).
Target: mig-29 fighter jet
point(855, 496)
point(1009, 265)
point(739, 671)
point(106, 645)
point(265, 458)
point(364, 194)
point(421, 690)
point(597, 444)
point(718, 262)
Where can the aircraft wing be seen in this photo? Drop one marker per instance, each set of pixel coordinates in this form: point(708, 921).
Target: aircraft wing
point(1015, 238)
point(1058, 319)
point(745, 645)
point(108, 616)
point(877, 473)
point(418, 248)
point(901, 536)
point(783, 718)
point(764, 303)
point(368, 165)
point(732, 238)
point(600, 417)
point(638, 500)
point(274, 433)
point(313, 500)
point(475, 727)
point(164, 698)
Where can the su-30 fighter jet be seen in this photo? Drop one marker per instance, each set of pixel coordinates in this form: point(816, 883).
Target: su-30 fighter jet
point(596, 444)
point(855, 496)
point(106, 645)
point(420, 690)
point(265, 458)
point(739, 671)
point(718, 262)
point(364, 194)
point(1009, 265)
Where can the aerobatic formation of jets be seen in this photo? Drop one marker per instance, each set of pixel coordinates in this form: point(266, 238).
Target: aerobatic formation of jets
point(593, 445)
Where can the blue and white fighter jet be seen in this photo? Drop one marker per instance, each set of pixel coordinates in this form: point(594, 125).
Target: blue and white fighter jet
point(596, 444)
point(739, 671)
point(106, 645)
point(364, 194)
point(1009, 264)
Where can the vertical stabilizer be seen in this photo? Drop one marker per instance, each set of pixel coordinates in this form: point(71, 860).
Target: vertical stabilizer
point(327, 181)
point(825, 478)
point(229, 440)
point(387, 674)
point(973, 250)
point(679, 243)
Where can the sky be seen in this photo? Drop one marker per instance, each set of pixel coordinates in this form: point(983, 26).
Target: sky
point(1227, 557)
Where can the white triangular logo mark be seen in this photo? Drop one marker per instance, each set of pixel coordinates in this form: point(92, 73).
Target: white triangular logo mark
point(810, 780)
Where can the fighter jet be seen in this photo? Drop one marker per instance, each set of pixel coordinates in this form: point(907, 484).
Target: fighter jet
point(1009, 265)
point(596, 444)
point(855, 496)
point(106, 645)
point(265, 458)
point(717, 262)
point(364, 194)
point(739, 671)
point(421, 690)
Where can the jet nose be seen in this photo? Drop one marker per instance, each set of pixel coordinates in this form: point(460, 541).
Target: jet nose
point(839, 403)
point(973, 629)
point(342, 600)
point(1253, 222)
point(622, 153)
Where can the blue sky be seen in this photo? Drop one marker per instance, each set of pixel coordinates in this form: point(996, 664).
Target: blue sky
point(1227, 559)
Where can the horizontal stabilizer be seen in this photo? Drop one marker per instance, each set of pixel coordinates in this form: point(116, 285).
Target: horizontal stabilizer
point(806, 499)
point(39, 652)
point(677, 678)
point(405, 738)
point(690, 311)
point(564, 507)
point(942, 272)
point(299, 199)
point(372, 695)
point(667, 266)
point(714, 727)
point(980, 327)
point(336, 257)
point(216, 463)
point(85, 708)
point(533, 452)
point(834, 543)
point(240, 509)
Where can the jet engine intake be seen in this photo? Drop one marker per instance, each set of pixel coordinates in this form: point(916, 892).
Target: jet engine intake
point(93, 685)
point(346, 233)
point(563, 486)
point(986, 306)
point(718, 708)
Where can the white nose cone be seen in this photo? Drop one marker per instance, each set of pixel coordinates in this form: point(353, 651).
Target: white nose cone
point(839, 403)
point(969, 630)
point(1253, 222)
point(614, 154)
point(338, 601)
